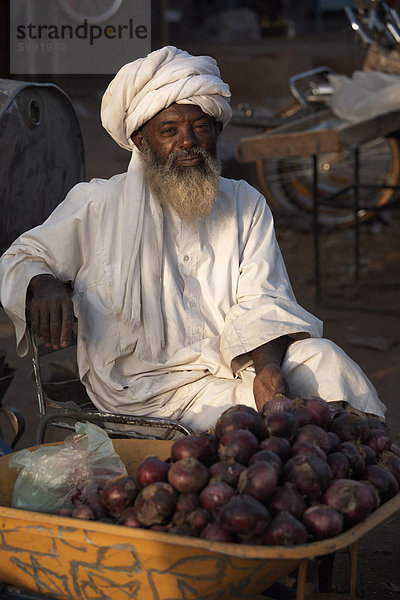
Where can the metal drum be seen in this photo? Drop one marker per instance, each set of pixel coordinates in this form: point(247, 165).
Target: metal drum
point(41, 154)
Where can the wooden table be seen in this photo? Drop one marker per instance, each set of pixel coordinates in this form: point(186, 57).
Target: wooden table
point(318, 133)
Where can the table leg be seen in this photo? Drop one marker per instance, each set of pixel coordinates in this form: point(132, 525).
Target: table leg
point(317, 273)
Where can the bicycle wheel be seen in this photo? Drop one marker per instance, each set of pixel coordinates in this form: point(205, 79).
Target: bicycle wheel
point(288, 183)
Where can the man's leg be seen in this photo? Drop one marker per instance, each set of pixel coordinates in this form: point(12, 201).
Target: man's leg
point(312, 367)
point(319, 367)
point(208, 398)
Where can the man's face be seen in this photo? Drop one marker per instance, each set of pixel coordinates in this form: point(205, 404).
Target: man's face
point(180, 129)
point(178, 151)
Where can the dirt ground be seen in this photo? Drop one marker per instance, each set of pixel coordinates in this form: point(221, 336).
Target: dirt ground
point(363, 318)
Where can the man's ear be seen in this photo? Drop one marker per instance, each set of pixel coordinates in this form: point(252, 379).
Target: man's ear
point(138, 139)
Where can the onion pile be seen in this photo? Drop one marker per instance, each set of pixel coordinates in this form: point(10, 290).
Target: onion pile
point(295, 472)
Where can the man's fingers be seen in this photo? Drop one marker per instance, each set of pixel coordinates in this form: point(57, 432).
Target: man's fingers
point(51, 310)
point(55, 330)
point(43, 326)
point(35, 321)
point(267, 384)
point(67, 325)
point(53, 324)
point(279, 386)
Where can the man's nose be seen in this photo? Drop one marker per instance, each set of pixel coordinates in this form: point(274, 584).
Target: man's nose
point(188, 138)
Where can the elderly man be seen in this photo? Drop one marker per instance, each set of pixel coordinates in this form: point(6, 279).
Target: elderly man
point(183, 302)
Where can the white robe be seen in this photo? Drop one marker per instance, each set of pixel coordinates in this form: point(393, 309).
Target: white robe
point(224, 292)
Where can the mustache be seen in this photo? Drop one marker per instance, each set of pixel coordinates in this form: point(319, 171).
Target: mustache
point(208, 165)
point(192, 153)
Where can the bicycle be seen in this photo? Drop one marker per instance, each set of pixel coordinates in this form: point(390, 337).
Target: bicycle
point(288, 183)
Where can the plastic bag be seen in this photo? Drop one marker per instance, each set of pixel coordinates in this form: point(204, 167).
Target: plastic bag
point(364, 95)
point(55, 477)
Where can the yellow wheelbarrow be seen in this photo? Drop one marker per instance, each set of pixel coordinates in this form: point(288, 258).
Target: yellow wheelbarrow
point(72, 559)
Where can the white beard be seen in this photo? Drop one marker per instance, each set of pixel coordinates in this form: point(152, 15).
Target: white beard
point(190, 191)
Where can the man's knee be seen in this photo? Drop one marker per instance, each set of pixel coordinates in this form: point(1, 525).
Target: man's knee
point(315, 349)
point(318, 366)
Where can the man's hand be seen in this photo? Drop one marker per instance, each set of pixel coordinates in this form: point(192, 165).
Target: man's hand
point(51, 311)
point(269, 380)
point(267, 384)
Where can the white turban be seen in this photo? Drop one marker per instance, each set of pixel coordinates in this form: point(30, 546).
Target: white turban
point(145, 86)
point(139, 91)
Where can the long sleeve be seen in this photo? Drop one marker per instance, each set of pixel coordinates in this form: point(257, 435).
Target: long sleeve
point(55, 247)
point(266, 307)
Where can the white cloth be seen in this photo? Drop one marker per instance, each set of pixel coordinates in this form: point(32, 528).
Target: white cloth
point(139, 91)
point(224, 292)
point(144, 87)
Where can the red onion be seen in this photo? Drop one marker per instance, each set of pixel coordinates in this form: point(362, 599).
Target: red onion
point(335, 441)
point(282, 424)
point(394, 448)
point(384, 481)
point(117, 494)
point(107, 519)
point(129, 518)
point(198, 519)
point(351, 427)
point(215, 495)
point(374, 493)
point(151, 469)
point(216, 533)
point(279, 403)
point(351, 498)
point(368, 454)
point(185, 504)
point(390, 461)
point(65, 512)
point(156, 504)
point(311, 474)
point(357, 462)
point(319, 411)
point(287, 497)
point(181, 529)
point(240, 416)
point(188, 475)
point(311, 410)
point(269, 457)
point(378, 440)
point(285, 530)
point(84, 511)
point(258, 480)
point(304, 447)
point(281, 446)
point(226, 471)
point(244, 516)
point(188, 502)
point(238, 445)
point(316, 435)
point(200, 446)
point(255, 540)
point(323, 521)
point(340, 465)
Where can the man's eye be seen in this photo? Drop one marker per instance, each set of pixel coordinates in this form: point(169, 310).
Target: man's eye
point(168, 130)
